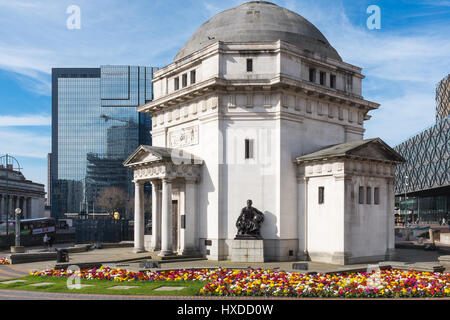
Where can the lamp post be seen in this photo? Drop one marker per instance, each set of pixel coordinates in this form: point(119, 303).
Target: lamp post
point(18, 211)
point(17, 248)
point(406, 199)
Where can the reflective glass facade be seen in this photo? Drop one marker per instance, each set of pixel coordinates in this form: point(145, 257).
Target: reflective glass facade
point(95, 127)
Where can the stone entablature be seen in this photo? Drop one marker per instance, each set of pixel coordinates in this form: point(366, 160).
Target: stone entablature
point(348, 166)
point(311, 107)
point(166, 170)
point(163, 77)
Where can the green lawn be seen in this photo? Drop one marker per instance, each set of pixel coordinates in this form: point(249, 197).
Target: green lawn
point(101, 286)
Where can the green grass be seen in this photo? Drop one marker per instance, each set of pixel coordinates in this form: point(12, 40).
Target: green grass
point(101, 286)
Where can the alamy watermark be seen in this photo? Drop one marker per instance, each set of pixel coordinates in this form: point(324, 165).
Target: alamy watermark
point(375, 280)
point(374, 20)
point(73, 22)
point(74, 280)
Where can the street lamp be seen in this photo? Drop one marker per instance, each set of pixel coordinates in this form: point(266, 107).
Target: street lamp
point(18, 211)
point(406, 199)
point(17, 248)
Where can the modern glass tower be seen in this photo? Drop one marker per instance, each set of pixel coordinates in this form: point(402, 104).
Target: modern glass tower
point(95, 127)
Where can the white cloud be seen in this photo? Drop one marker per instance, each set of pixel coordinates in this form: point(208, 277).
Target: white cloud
point(25, 120)
point(401, 117)
point(24, 143)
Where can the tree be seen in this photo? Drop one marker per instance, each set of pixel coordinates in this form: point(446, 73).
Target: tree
point(147, 206)
point(113, 199)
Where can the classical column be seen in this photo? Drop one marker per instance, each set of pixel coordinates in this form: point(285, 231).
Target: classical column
point(15, 204)
point(8, 205)
point(139, 227)
point(22, 206)
point(190, 232)
point(28, 206)
point(156, 216)
point(302, 214)
point(390, 223)
point(166, 217)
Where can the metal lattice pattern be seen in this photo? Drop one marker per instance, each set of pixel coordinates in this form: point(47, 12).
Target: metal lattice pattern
point(443, 99)
point(428, 160)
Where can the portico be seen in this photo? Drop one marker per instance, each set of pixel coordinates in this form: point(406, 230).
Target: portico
point(174, 175)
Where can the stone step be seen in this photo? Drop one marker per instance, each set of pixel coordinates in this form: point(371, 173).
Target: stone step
point(18, 258)
point(444, 260)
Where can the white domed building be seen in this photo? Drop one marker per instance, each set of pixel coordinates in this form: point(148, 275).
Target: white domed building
point(258, 105)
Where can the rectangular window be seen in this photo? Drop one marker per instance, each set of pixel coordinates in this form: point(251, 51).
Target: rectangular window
point(369, 195)
point(249, 65)
point(361, 195)
point(321, 195)
point(184, 80)
point(376, 196)
point(332, 81)
point(248, 149)
point(176, 83)
point(312, 74)
point(192, 76)
point(322, 78)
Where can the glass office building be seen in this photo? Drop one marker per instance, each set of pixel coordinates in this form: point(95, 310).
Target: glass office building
point(423, 183)
point(95, 127)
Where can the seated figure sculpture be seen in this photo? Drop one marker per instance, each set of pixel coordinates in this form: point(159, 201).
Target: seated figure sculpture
point(249, 222)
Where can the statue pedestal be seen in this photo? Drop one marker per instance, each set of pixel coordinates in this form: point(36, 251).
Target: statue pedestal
point(247, 250)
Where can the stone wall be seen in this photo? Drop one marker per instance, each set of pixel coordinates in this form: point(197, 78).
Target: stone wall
point(34, 240)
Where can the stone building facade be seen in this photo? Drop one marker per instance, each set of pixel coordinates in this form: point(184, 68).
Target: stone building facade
point(255, 88)
point(21, 193)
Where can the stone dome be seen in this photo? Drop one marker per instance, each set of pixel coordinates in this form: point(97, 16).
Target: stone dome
point(259, 21)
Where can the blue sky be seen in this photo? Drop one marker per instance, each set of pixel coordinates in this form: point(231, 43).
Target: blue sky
point(402, 62)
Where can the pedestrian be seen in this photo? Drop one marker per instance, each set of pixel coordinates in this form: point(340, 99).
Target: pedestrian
point(51, 240)
point(46, 241)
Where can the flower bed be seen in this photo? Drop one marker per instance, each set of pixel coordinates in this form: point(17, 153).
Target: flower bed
point(251, 282)
point(4, 260)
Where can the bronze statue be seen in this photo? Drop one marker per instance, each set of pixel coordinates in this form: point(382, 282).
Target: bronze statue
point(249, 222)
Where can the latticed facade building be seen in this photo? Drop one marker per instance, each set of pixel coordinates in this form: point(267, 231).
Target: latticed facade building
point(443, 99)
point(423, 182)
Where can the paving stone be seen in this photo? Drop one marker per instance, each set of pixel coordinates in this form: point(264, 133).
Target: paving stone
point(121, 287)
point(81, 286)
point(12, 281)
point(169, 288)
point(41, 284)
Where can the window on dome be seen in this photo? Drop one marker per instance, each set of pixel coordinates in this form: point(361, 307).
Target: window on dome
point(312, 74)
point(322, 78)
point(333, 81)
point(192, 76)
point(184, 80)
point(249, 65)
